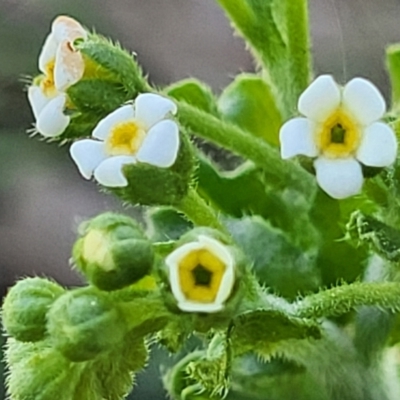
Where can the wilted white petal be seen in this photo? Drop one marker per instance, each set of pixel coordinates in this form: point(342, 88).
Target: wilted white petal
point(88, 155)
point(363, 100)
point(67, 28)
point(69, 66)
point(48, 53)
point(296, 137)
point(109, 173)
point(37, 100)
point(52, 121)
point(379, 146)
point(161, 145)
point(152, 108)
point(320, 99)
point(121, 114)
point(339, 178)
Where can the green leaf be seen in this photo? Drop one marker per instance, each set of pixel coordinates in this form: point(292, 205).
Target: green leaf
point(277, 263)
point(249, 103)
point(195, 93)
point(277, 32)
point(257, 330)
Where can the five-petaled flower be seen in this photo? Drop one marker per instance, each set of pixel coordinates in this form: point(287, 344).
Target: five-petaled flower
point(341, 131)
point(132, 133)
point(201, 275)
point(62, 66)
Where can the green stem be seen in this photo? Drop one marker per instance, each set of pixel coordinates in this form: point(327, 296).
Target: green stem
point(199, 212)
point(298, 47)
point(342, 299)
point(393, 66)
point(229, 136)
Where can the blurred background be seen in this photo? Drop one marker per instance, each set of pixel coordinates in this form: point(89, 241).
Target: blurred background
point(42, 196)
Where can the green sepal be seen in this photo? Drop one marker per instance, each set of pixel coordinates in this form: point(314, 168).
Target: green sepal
point(150, 185)
point(249, 103)
point(97, 96)
point(112, 251)
point(195, 93)
point(165, 224)
point(25, 307)
point(259, 329)
point(84, 323)
point(277, 262)
point(115, 61)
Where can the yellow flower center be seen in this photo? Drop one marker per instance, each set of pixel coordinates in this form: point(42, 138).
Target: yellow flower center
point(125, 139)
point(200, 276)
point(339, 136)
point(47, 84)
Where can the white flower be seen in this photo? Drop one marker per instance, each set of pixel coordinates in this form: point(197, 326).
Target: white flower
point(61, 66)
point(341, 131)
point(129, 134)
point(201, 275)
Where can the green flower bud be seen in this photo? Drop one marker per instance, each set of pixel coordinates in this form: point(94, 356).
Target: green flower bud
point(84, 323)
point(112, 251)
point(25, 308)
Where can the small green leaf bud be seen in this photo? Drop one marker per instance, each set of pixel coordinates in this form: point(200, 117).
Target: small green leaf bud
point(84, 323)
point(113, 252)
point(25, 308)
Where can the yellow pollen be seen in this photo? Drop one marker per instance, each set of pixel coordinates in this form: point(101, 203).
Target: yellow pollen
point(200, 275)
point(125, 139)
point(47, 84)
point(339, 136)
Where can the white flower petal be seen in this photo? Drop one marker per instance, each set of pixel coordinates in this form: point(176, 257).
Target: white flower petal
point(363, 100)
point(320, 99)
point(121, 114)
point(48, 52)
point(161, 145)
point(88, 155)
point(69, 66)
point(52, 121)
point(191, 306)
point(109, 173)
point(339, 178)
point(378, 147)
point(67, 28)
point(152, 108)
point(37, 100)
point(296, 137)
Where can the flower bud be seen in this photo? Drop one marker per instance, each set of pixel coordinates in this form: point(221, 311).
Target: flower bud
point(113, 252)
point(25, 308)
point(85, 322)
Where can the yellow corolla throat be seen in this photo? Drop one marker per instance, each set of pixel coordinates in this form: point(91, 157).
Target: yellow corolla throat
point(125, 138)
point(47, 83)
point(339, 136)
point(200, 276)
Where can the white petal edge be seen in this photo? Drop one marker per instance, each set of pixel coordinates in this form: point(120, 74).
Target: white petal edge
point(152, 108)
point(88, 155)
point(379, 146)
point(339, 178)
point(320, 99)
point(52, 121)
point(222, 252)
point(191, 306)
point(48, 52)
point(297, 137)
point(172, 261)
point(69, 66)
point(363, 100)
point(67, 28)
point(121, 114)
point(109, 173)
point(37, 100)
point(161, 145)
